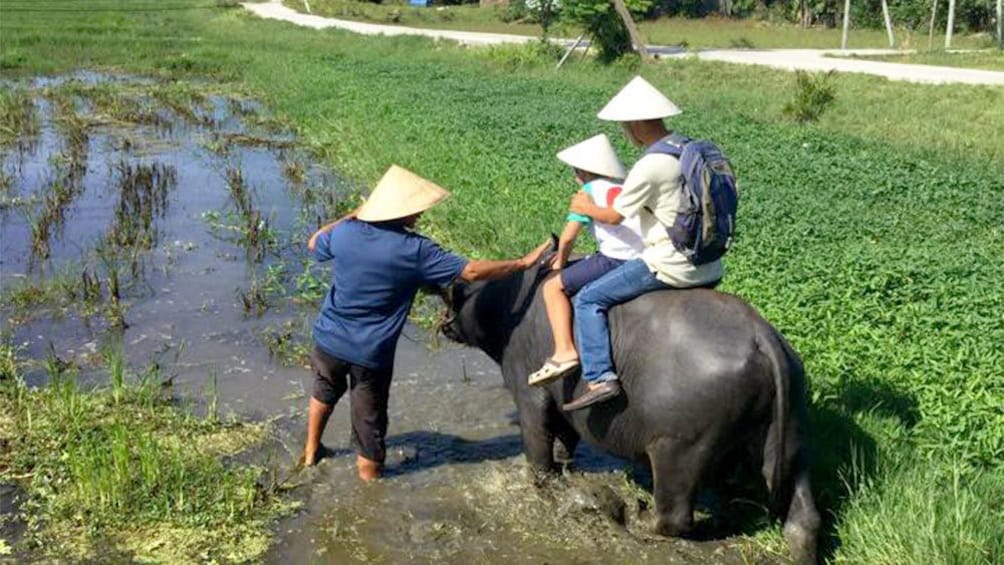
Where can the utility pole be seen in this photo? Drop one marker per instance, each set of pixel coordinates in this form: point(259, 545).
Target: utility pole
point(934, 15)
point(951, 24)
point(847, 23)
point(888, 23)
point(1000, 24)
point(636, 38)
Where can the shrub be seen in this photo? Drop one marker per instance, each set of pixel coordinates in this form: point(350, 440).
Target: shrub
point(814, 93)
point(525, 54)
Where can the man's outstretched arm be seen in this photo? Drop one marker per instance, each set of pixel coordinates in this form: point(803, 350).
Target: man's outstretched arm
point(483, 270)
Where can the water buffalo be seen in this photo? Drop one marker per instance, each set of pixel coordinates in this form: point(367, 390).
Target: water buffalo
point(705, 378)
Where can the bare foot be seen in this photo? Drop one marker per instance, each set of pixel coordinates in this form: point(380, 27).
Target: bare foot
point(309, 457)
point(368, 469)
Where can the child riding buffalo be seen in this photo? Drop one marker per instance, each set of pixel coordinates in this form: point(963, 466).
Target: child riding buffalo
point(598, 171)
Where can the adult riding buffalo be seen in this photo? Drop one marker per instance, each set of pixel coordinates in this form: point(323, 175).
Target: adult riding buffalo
point(704, 376)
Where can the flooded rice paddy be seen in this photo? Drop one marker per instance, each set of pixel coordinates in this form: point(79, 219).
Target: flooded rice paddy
point(171, 217)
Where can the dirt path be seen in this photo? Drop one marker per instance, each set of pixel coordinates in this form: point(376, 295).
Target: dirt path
point(790, 59)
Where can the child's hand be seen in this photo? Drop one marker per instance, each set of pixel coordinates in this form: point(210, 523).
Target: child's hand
point(581, 203)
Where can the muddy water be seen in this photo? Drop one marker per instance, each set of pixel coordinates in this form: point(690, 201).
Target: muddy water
point(456, 489)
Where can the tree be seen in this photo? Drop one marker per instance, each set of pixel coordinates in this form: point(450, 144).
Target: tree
point(605, 28)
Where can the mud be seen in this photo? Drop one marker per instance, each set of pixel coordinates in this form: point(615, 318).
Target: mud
point(12, 525)
point(198, 291)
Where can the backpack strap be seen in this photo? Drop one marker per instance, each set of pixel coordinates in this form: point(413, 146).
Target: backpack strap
point(672, 144)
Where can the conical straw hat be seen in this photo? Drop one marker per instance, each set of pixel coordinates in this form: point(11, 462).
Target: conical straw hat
point(400, 193)
point(594, 155)
point(637, 101)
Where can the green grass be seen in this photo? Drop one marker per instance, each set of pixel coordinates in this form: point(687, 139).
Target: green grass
point(913, 511)
point(121, 473)
point(989, 59)
point(691, 32)
point(871, 238)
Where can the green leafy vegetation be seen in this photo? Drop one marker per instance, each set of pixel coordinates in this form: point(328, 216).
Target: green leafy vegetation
point(121, 473)
point(871, 238)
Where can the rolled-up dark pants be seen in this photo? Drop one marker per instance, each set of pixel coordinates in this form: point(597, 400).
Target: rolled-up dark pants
point(369, 391)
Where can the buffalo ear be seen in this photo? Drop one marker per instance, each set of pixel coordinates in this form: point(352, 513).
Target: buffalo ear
point(552, 250)
point(457, 292)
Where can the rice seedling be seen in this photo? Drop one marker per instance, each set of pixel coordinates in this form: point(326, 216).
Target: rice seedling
point(50, 217)
point(112, 104)
point(254, 231)
point(115, 312)
point(241, 108)
point(90, 287)
point(39, 225)
point(240, 194)
point(143, 197)
point(7, 185)
point(253, 300)
point(250, 140)
point(217, 144)
point(212, 405)
point(186, 101)
point(294, 170)
point(19, 121)
point(73, 127)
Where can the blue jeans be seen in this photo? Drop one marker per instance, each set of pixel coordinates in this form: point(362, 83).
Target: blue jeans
point(630, 280)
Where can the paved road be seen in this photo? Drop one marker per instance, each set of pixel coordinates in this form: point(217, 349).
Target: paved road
point(790, 59)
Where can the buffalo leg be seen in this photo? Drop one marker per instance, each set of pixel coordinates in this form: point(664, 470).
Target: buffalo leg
point(676, 470)
point(801, 525)
point(568, 438)
point(538, 441)
point(793, 502)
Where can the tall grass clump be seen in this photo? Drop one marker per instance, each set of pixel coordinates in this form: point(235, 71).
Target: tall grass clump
point(8, 361)
point(122, 473)
point(923, 511)
point(814, 93)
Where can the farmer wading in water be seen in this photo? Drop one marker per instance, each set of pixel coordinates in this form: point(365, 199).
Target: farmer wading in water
point(378, 266)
